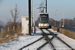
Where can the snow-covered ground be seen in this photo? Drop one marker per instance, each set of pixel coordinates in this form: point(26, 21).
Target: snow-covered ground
point(26, 39)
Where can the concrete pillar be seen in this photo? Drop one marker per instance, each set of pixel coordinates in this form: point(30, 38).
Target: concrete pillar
point(8, 29)
point(1, 30)
point(13, 28)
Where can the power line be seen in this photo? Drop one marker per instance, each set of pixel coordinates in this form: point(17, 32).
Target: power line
point(43, 6)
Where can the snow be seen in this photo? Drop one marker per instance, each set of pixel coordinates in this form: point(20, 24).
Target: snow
point(26, 39)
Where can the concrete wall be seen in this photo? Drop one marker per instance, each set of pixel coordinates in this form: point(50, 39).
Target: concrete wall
point(54, 28)
point(25, 23)
point(68, 33)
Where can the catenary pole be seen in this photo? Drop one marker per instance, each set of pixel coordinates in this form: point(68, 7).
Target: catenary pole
point(29, 2)
point(46, 6)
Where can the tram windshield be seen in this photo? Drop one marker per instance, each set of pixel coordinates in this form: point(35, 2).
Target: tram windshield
point(44, 18)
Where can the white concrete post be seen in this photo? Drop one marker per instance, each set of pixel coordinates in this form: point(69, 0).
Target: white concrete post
point(8, 29)
point(13, 28)
point(18, 27)
point(1, 30)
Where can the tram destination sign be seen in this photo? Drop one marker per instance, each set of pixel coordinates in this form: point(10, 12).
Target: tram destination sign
point(43, 16)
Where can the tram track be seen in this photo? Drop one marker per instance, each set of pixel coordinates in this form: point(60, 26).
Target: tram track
point(31, 43)
point(61, 40)
point(48, 41)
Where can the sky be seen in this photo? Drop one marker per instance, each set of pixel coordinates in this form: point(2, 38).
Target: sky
point(66, 7)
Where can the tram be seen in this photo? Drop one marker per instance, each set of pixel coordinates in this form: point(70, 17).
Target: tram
point(43, 21)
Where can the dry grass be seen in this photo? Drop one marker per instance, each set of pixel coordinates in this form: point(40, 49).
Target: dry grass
point(9, 36)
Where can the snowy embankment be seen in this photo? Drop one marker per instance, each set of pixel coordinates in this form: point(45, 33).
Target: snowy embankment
point(25, 39)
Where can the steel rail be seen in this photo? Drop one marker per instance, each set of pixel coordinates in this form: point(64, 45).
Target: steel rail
point(61, 40)
point(64, 43)
point(51, 32)
point(31, 43)
point(48, 40)
point(42, 46)
point(50, 43)
point(45, 44)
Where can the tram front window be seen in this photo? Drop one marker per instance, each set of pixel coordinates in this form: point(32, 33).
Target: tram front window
point(44, 20)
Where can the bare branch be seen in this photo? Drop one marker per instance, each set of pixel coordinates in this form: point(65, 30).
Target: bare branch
point(14, 14)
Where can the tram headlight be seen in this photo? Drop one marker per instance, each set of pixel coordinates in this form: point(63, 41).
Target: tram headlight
point(43, 24)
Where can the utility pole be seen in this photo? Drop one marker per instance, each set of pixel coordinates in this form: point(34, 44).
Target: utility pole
point(32, 13)
point(46, 6)
point(29, 2)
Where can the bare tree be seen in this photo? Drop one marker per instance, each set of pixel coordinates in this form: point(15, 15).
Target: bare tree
point(14, 13)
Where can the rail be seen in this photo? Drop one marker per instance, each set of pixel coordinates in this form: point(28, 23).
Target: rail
point(30, 43)
point(61, 40)
point(48, 40)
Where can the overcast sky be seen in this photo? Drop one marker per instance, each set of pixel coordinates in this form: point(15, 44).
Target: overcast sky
point(66, 6)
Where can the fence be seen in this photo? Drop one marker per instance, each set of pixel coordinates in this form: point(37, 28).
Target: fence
point(9, 34)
